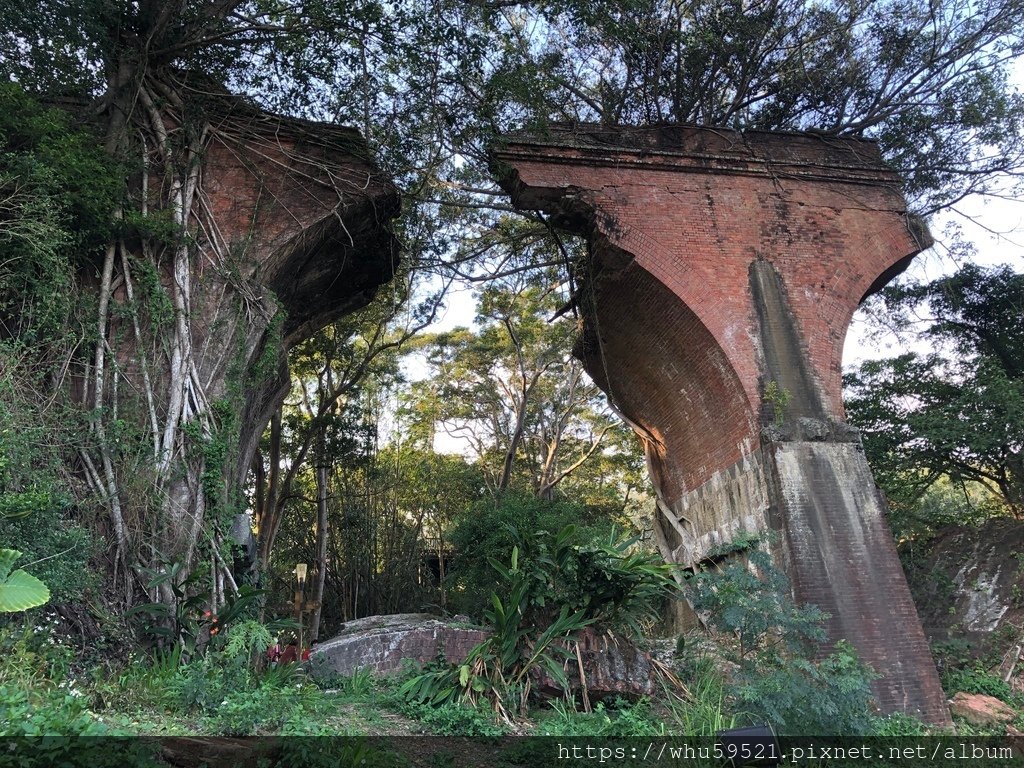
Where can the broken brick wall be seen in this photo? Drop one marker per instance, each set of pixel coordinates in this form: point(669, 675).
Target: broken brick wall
point(724, 270)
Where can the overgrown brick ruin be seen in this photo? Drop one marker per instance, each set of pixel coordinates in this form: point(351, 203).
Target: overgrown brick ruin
point(724, 271)
point(288, 228)
point(308, 213)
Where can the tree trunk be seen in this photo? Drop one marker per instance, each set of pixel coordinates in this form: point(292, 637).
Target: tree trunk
point(321, 549)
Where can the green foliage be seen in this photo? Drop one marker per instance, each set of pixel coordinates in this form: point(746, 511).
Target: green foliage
point(14, 505)
point(61, 713)
point(40, 698)
point(186, 621)
point(553, 587)
point(529, 416)
point(32, 657)
point(247, 640)
point(830, 697)
point(952, 653)
point(749, 599)
point(620, 719)
point(451, 718)
point(897, 724)
point(264, 709)
point(59, 546)
point(975, 679)
point(498, 669)
point(490, 528)
point(778, 398)
point(702, 710)
point(55, 727)
point(612, 582)
point(19, 590)
point(59, 191)
point(226, 686)
point(775, 679)
point(359, 683)
point(214, 441)
point(956, 413)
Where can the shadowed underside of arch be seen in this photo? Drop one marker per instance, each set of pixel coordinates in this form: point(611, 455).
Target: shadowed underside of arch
point(307, 214)
point(724, 271)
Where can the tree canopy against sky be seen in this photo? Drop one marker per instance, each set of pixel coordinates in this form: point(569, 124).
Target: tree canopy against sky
point(956, 412)
point(432, 83)
point(512, 392)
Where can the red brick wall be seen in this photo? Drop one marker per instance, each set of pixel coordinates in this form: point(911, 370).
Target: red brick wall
point(669, 374)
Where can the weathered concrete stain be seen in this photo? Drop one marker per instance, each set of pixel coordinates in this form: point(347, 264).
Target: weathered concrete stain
point(840, 554)
point(725, 266)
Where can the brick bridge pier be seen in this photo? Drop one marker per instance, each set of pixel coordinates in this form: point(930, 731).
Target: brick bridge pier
point(724, 270)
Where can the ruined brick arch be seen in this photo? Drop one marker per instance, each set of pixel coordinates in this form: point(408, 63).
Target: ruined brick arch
point(284, 225)
point(308, 213)
point(722, 263)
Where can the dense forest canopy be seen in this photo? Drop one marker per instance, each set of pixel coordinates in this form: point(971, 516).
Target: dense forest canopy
point(102, 194)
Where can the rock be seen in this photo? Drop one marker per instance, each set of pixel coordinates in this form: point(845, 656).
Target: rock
point(979, 709)
point(814, 429)
point(382, 643)
point(613, 666)
point(967, 583)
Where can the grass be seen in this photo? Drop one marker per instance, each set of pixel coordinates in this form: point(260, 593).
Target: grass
point(218, 696)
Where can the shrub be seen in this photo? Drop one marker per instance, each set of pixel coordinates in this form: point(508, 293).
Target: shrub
point(452, 718)
point(748, 599)
point(34, 656)
point(554, 586)
point(39, 700)
point(976, 680)
point(773, 643)
point(490, 529)
point(830, 697)
point(359, 683)
point(248, 712)
point(35, 510)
